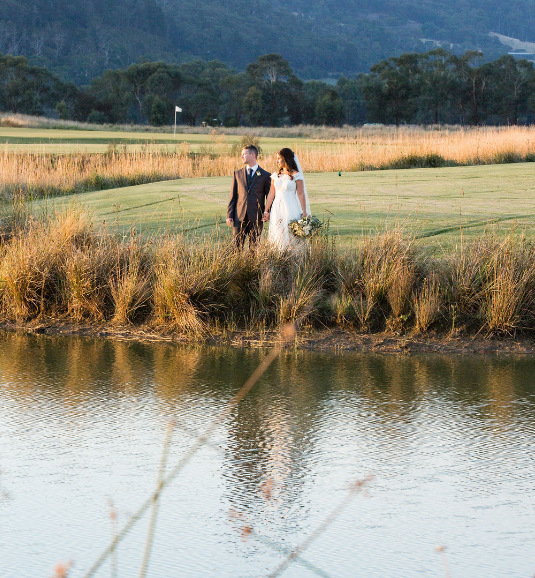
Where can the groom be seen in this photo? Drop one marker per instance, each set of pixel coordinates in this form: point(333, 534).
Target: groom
point(250, 188)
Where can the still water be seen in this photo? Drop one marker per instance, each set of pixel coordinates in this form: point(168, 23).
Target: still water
point(449, 441)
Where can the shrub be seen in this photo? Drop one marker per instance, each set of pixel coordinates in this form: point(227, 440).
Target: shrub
point(246, 140)
point(413, 161)
point(507, 157)
point(97, 117)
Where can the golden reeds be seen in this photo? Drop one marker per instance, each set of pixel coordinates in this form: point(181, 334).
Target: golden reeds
point(61, 268)
point(37, 175)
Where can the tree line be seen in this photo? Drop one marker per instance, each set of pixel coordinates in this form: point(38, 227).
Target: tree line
point(433, 87)
point(440, 87)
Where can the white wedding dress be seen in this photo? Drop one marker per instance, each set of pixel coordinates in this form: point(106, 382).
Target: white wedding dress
point(285, 208)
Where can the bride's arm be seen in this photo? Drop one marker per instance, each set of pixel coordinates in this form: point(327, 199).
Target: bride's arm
point(301, 196)
point(269, 202)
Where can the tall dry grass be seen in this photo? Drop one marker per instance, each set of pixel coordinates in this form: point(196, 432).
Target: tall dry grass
point(62, 268)
point(40, 175)
point(404, 147)
point(426, 303)
point(37, 175)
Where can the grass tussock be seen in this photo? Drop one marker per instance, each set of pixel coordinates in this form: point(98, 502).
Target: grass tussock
point(34, 174)
point(130, 283)
point(426, 303)
point(62, 268)
point(192, 282)
point(508, 286)
point(33, 262)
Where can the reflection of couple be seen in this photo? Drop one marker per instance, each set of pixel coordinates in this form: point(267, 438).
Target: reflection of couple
point(286, 194)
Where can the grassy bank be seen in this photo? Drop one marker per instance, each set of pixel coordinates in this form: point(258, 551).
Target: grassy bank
point(63, 269)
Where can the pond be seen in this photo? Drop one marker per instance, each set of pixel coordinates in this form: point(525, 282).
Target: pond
point(448, 440)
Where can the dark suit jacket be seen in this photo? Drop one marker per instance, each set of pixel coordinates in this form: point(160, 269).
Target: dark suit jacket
point(248, 201)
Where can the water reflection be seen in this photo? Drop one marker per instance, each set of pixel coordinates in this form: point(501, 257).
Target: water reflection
point(76, 368)
point(448, 438)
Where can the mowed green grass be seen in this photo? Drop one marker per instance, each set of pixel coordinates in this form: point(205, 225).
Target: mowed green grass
point(41, 140)
point(437, 205)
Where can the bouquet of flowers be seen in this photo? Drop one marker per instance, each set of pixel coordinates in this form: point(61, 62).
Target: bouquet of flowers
point(305, 227)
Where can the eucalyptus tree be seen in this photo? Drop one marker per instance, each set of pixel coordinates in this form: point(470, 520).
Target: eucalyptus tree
point(272, 75)
point(437, 81)
point(330, 109)
point(233, 89)
point(200, 94)
point(470, 89)
point(30, 89)
point(511, 84)
point(354, 104)
point(312, 91)
point(129, 95)
point(392, 88)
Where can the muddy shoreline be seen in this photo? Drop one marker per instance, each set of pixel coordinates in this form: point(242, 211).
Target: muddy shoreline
point(329, 340)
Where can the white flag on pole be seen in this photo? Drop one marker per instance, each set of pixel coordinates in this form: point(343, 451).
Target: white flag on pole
point(178, 109)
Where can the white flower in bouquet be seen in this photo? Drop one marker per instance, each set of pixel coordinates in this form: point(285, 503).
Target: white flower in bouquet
point(305, 227)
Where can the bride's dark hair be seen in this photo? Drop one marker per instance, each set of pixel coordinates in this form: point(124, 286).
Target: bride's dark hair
point(288, 157)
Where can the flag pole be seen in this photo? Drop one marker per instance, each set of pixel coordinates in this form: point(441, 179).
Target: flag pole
point(177, 109)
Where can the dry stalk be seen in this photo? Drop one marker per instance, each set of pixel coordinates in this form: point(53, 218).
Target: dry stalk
point(131, 284)
point(356, 487)
point(247, 529)
point(287, 335)
point(442, 551)
point(426, 303)
point(155, 502)
point(363, 309)
point(113, 517)
point(86, 279)
point(300, 300)
point(399, 291)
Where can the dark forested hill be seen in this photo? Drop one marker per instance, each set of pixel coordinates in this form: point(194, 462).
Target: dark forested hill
point(79, 39)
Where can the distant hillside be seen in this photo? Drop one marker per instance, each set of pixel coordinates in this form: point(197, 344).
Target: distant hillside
point(79, 39)
point(514, 43)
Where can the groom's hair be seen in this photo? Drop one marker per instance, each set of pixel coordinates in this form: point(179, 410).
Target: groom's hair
point(252, 149)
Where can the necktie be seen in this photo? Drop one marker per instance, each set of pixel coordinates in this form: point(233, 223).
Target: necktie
point(249, 175)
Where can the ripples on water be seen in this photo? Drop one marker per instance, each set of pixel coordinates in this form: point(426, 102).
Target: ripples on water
point(448, 439)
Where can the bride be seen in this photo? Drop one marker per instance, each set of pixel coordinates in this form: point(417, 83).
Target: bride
point(287, 199)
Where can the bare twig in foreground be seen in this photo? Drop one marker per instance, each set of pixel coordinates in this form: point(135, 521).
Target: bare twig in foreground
point(248, 530)
point(288, 333)
point(442, 551)
point(156, 496)
point(113, 518)
point(353, 490)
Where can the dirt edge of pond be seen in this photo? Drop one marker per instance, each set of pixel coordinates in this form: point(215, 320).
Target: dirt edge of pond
point(334, 340)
